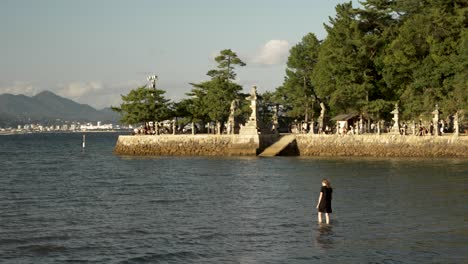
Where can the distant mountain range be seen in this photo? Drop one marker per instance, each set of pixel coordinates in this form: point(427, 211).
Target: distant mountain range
point(48, 108)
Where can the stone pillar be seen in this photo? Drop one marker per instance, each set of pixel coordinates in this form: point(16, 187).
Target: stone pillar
point(456, 127)
point(361, 126)
point(173, 127)
point(232, 118)
point(275, 125)
point(321, 119)
point(435, 120)
point(396, 125)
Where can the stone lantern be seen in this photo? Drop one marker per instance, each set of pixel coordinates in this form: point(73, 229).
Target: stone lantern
point(396, 125)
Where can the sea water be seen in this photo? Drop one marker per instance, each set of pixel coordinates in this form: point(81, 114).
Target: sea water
point(60, 203)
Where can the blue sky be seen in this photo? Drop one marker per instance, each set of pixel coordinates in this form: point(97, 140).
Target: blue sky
point(92, 51)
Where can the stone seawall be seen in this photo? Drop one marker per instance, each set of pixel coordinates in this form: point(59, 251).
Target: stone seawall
point(193, 145)
point(382, 146)
point(304, 145)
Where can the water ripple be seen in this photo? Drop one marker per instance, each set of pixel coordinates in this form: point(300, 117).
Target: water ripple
point(61, 205)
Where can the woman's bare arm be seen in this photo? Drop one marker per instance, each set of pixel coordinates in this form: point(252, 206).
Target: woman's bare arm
point(319, 199)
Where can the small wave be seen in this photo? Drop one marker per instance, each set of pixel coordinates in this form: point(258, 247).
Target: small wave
point(211, 236)
point(255, 234)
point(42, 249)
point(167, 201)
point(288, 225)
point(9, 241)
point(164, 257)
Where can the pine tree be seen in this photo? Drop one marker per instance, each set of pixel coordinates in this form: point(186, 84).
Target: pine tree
point(297, 93)
point(213, 98)
point(143, 105)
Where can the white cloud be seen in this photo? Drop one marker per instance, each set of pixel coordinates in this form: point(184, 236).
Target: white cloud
point(76, 90)
point(20, 87)
point(213, 55)
point(272, 53)
point(97, 94)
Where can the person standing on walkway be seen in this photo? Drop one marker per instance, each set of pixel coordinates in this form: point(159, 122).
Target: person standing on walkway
point(324, 201)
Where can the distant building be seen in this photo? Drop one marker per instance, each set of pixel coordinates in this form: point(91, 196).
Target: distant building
point(99, 126)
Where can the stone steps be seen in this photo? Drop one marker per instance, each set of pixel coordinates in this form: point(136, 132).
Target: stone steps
point(278, 146)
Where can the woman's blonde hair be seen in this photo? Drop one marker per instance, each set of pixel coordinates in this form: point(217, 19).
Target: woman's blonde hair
point(327, 182)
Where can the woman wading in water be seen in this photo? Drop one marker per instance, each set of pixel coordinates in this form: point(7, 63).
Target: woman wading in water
point(324, 201)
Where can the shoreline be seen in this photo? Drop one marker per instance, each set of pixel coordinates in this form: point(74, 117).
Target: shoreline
point(4, 133)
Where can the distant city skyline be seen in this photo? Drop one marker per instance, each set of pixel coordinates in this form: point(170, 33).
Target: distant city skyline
point(93, 51)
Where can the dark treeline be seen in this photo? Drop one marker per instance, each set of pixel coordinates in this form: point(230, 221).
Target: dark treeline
point(411, 52)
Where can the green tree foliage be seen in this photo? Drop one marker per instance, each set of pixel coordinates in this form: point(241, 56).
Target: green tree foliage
point(348, 74)
point(297, 93)
point(457, 98)
point(409, 51)
point(226, 62)
point(212, 99)
point(265, 108)
point(143, 105)
point(425, 61)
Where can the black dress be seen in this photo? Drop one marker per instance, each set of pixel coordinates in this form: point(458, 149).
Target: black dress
point(325, 202)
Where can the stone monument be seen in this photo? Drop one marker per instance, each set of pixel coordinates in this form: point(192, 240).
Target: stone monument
point(174, 127)
point(251, 127)
point(435, 120)
point(231, 125)
point(321, 119)
point(396, 125)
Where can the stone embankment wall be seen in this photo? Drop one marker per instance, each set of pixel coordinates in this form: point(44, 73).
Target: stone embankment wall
point(304, 145)
point(382, 146)
point(193, 145)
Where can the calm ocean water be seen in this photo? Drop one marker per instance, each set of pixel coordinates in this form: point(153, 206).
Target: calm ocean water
point(59, 204)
